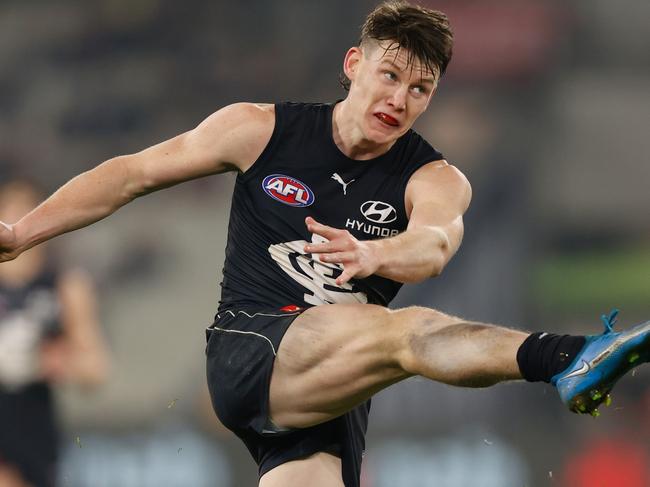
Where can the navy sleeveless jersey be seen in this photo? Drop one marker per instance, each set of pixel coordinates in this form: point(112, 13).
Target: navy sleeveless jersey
point(29, 315)
point(29, 439)
point(301, 173)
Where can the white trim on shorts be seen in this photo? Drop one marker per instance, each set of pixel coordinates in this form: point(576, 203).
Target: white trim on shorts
point(213, 327)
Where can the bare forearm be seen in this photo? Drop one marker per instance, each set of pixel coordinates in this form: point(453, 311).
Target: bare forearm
point(83, 200)
point(412, 256)
point(65, 361)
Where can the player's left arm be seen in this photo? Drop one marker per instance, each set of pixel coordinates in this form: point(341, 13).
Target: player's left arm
point(437, 196)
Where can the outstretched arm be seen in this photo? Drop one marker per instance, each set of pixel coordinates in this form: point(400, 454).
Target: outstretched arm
point(437, 196)
point(230, 139)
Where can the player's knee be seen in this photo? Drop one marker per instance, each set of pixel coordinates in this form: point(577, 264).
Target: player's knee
point(418, 325)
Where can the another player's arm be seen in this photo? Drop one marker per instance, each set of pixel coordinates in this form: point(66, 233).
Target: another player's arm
point(79, 354)
point(437, 196)
point(230, 139)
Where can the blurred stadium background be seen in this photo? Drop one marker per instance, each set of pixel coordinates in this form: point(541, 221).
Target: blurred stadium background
point(545, 108)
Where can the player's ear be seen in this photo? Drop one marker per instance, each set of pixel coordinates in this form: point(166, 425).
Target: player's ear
point(351, 62)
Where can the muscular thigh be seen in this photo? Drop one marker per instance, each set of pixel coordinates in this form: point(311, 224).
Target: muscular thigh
point(331, 359)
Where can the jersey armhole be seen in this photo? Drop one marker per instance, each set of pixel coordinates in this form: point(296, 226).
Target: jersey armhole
point(268, 150)
point(426, 155)
point(423, 155)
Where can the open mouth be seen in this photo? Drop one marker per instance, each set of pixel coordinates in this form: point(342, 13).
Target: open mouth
point(387, 119)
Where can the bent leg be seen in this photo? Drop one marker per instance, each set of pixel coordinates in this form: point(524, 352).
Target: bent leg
point(319, 470)
point(335, 357)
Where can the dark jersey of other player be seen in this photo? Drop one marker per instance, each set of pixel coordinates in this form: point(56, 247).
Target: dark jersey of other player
point(29, 315)
point(303, 173)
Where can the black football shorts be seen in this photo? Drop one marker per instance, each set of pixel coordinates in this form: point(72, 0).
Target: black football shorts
point(29, 436)
point(241, 348)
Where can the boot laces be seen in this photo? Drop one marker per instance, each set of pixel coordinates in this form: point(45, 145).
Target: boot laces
point(609, 321)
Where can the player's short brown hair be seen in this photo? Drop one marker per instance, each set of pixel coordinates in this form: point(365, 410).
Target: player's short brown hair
point(424, 33)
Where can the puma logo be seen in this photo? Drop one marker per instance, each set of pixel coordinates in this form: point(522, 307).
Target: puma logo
point(339, 179)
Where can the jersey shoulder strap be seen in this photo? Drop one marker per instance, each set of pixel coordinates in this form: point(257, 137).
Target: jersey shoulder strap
point(293, 121)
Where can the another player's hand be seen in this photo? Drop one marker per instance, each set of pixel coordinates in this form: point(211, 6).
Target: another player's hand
point(357, 257)
point(7, 242)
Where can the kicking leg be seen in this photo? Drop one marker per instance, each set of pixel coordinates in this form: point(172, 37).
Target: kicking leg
point(335, 357)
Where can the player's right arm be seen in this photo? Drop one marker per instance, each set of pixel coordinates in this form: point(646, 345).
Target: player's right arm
point(231, 139)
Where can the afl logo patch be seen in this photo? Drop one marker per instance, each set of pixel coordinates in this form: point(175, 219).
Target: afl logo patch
point(378, 212)
point(288, 190)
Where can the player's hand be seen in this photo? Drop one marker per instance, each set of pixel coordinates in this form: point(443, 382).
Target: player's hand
point(7, 242)
point(357, 257)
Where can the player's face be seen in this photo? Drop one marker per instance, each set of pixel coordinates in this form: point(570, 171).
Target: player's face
point(388, 93)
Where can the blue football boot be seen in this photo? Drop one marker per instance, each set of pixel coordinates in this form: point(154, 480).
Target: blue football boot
point(604, 359)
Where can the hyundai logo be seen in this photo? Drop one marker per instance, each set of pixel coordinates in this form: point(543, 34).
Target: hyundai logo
point(378, 212)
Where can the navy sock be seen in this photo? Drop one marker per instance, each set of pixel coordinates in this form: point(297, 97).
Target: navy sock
point(543, 355)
